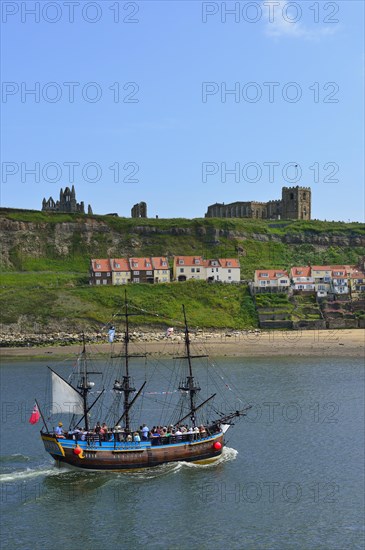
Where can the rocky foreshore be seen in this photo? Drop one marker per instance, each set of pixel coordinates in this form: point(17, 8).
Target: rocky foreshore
point(18, 339)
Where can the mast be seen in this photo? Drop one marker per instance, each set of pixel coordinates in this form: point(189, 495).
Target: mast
point(84, 384)
point(189, 385)
point(126, 388)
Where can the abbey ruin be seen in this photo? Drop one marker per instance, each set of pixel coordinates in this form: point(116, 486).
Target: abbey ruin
point(66, 203)
point(295, 204)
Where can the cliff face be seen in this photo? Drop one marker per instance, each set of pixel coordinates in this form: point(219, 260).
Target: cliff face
point(89, 236)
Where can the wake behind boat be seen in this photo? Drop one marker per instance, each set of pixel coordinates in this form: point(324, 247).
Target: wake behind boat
point(188, 436)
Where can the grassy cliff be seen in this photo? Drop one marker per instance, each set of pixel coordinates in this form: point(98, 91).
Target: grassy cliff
point(45, 261)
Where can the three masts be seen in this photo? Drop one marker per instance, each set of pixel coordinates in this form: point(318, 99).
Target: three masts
point(116, 453)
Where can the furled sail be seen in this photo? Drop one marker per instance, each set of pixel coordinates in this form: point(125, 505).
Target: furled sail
point(65, 399)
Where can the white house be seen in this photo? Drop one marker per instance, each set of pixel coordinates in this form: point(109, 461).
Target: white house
point(267, 279)
point(189, 267)
point(225, 270)
point(302, 279)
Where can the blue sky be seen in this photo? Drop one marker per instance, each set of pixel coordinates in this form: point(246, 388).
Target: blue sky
point(148, 93)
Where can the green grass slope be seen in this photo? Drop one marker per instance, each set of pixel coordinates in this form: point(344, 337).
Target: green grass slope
point(44, 281)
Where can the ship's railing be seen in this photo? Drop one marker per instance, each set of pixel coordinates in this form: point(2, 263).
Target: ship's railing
point(93, 441)
point(183, 438)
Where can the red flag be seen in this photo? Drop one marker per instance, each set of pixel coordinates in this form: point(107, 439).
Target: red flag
point(35, 416)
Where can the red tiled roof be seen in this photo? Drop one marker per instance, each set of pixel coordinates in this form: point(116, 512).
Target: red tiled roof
point(100, 265)
point(300, 271)
point(123, 264)
point(229, 262)
point(189, 260)
point(157, 262)
point(141, 264)
point(271, 274)
point(357, 275)
point(209, 263)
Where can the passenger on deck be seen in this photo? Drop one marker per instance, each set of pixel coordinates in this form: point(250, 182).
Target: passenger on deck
point(77, 433)
point(59, 431)
point(136, 437)
point(145, 431)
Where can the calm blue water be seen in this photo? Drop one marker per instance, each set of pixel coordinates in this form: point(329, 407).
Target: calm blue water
point(291, 477)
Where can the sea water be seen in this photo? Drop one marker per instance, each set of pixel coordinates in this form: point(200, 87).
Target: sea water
point(291, 476)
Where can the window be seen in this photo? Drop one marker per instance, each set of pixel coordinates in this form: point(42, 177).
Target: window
point(229, 271)
point(196, 261)
point(135, 272)
point(136, 279)
point(164, 263)
point(97, 274)
point(229, 278)
point(181, 270)
point(149, 272)
point(148, 264)
point(212, 269)
point(104, 281)
point(229, 263)
point(198, 269)
point(263, 275)
point(164, 272)
point(262, 283)
point(135, 264)
point(181, 262)
point(283, 281)
point(108, 274)
point(117, 265)
point(98, 282)
point(98, 266)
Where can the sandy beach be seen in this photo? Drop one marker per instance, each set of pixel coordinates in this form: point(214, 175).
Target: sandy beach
point(330, 343)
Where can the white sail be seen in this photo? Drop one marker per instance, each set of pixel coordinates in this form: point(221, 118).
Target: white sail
point(65, 399)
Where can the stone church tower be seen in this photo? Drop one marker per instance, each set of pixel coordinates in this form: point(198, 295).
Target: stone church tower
point(296, 203)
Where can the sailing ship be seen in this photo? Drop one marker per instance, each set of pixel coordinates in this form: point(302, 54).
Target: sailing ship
point(125, 447)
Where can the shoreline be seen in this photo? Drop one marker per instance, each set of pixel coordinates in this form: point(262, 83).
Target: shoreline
point(314, 343)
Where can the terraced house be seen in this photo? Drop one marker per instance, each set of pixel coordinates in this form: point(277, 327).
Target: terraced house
point(302, 279)
point(141, 270)
point(271, 280)
point(225, 270)
point(161, 271)
point(324, 280)
point(100, 272)
point(357, 282)
point(189, 267)
point(119, 271)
